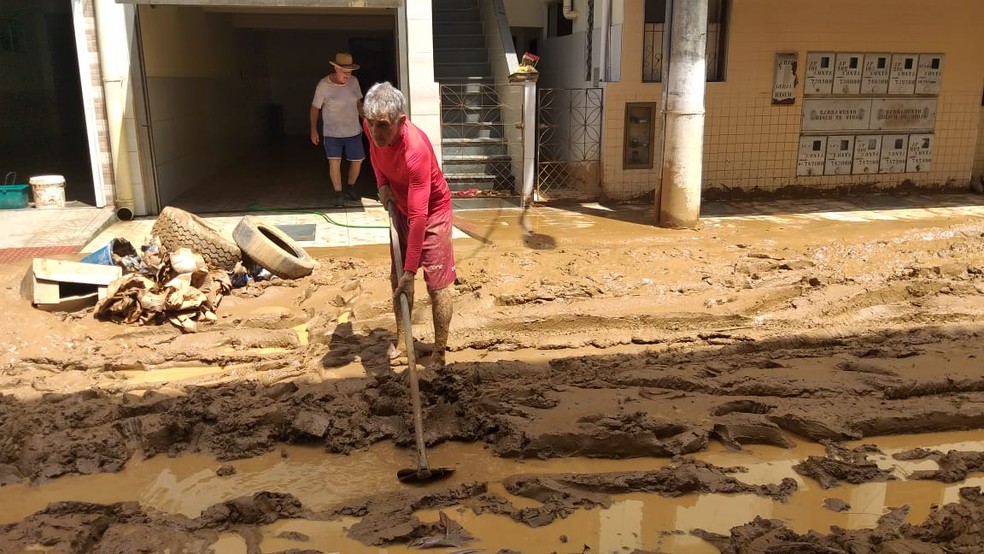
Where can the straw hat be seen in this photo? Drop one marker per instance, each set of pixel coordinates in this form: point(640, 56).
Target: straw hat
point(343, 60)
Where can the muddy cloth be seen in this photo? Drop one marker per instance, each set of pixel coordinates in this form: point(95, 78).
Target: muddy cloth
point(184, 300)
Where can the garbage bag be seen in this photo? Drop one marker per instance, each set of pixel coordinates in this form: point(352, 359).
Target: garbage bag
point(119, 252)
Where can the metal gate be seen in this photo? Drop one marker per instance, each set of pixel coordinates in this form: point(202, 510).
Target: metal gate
point(568, 144)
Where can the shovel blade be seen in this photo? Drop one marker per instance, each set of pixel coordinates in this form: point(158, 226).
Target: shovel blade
point(413, 476)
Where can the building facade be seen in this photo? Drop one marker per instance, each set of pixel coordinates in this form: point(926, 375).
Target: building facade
point(834, 96)
point(826, 97)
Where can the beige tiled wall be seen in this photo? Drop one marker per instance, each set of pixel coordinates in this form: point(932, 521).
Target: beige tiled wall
point(748, 142)
point(979, 153)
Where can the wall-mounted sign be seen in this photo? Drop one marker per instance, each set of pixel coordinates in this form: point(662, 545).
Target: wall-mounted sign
point(929, 73)
point(902, 79)
point(847, 73)
point(874, 80)
point(812, 152)
point(819, 73)
point(894, 152)
point(920, 155)
point(840, 155)
point(842, 114)
point(875, 113)
point(867, 154)
point(784, 82)
point(903, 114)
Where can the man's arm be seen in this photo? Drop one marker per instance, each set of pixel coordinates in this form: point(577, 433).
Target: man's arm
point(418, 204)
point(315, 135)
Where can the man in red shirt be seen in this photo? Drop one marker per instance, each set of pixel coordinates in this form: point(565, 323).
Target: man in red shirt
point(407, 173)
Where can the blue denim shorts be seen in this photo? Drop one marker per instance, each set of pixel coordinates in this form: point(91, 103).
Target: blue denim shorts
point(350, 148)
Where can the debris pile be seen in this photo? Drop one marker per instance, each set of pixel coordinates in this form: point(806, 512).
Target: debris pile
point(178, 288)
point(181, 274)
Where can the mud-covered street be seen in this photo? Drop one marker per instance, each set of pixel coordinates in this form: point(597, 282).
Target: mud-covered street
point(599, 336)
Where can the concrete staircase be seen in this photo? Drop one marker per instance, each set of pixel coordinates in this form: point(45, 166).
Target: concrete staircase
point(473, 142)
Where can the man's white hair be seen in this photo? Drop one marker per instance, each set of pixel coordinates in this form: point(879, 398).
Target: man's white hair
point(384, 100)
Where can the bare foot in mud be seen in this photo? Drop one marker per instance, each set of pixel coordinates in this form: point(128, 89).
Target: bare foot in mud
point(397, 354)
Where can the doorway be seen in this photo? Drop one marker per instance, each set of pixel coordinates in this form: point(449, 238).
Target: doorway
point(44, 125)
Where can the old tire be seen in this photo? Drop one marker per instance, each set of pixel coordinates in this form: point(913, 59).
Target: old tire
point(177, 228)
point(272, 249)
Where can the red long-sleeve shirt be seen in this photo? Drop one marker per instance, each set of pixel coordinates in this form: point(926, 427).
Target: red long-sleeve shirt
point(409, 166)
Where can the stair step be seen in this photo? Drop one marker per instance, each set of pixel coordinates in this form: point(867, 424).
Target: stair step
point(472, 16)
point(459, 41)
point(471, 141)
point(456, 132)
point(476, 158)
point(462, 186)
point(491, 149)
point(499, 168)
point(454, 5)
point(481, 181)
point(464, 69)
point(457, 28)
point(457, 114)
point(461, 55)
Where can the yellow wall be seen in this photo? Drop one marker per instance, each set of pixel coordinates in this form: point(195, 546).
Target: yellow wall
point(206, 47)
point(748, 142)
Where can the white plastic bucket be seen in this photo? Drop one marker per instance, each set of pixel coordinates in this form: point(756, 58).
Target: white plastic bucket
point(48, 191)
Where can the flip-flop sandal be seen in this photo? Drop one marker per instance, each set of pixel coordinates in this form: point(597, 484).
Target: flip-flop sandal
point(397, 356)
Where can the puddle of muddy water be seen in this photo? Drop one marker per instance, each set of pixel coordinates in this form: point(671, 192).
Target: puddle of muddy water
point(189, 484)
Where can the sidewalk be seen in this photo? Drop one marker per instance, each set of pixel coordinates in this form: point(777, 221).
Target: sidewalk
point(30, 233)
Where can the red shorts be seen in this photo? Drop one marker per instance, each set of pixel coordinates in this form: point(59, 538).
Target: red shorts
point(437, 253)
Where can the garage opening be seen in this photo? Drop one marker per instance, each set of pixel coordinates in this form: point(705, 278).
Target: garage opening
point(228, 92)
point(41, 107)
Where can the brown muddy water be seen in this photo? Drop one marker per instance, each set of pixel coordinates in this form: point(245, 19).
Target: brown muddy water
point(189, 484)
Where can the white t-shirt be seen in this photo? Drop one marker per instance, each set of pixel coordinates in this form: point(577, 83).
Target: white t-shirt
point(339, 105)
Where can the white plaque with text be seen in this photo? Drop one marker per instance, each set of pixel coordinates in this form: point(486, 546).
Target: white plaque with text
point(829, 114)
point(819, 73)
point(867, 154)
point(784, 82)
point(847, 73)
point(812, 152)
point(874, 80)
point(903, 114)
point(894, 152)
point(929, 73)
point(902, 79)
point(840, 155)
point(920, 158)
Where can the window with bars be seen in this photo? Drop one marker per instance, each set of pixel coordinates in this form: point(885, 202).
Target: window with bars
point(652, 39)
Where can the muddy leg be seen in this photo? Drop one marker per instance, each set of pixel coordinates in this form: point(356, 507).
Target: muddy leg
point(441, 309)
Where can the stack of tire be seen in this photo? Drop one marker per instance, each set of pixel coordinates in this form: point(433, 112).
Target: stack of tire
point(252, 240)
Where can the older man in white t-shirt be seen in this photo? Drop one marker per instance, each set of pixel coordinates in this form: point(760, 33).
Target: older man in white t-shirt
point(338, 99)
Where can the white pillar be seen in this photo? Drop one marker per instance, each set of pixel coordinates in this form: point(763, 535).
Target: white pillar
point(683, 133)
point(529, 141)
point(114, 62)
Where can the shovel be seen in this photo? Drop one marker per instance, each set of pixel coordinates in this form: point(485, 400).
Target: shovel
point(423, 473)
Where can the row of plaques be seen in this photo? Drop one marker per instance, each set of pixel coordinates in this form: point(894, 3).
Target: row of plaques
point(865, 154)
point(869, 114)
point(853, 73)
